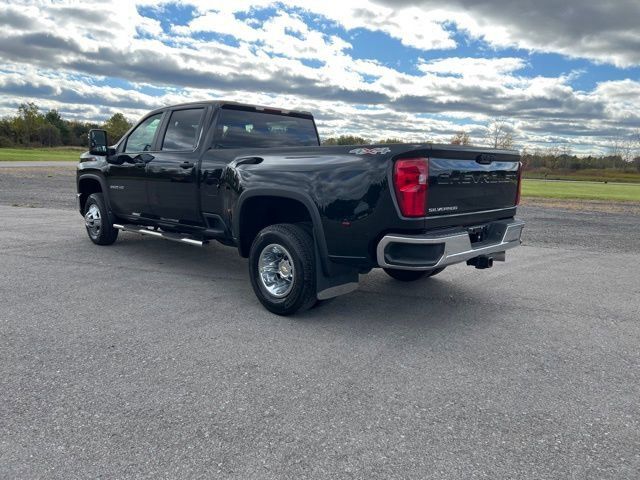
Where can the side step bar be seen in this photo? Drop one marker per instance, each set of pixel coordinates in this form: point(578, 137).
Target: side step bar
point(174, 237)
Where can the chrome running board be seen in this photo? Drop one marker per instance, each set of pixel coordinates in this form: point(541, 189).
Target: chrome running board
point(174, 237)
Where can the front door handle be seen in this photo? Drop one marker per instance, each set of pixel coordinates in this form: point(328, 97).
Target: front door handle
point(186, 164)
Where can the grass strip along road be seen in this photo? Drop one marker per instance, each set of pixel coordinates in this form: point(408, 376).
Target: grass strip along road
point(588, 175)
point(40, 154)
point(581, 190)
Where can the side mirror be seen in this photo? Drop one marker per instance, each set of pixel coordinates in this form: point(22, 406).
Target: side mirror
point(98, 142)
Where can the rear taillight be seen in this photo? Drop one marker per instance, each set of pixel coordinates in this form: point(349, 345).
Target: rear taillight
point(519, 190)
point(410, 179)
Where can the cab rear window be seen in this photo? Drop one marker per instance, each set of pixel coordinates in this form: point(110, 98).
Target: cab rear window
point(241, 128)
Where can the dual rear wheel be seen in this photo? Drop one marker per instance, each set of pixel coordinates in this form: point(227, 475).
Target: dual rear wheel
point(282, 268)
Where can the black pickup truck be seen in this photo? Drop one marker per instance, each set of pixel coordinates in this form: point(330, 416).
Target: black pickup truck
point(310, 218)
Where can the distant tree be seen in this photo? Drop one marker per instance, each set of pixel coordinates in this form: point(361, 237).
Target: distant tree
point(346, 140)
point(625, 146)
point(7, 133)
point(566, 150)
point(618, 146)
point(499, 134)
point(79, 131)
point(48, 135)
point(53, 117)
point(116, 127)
point(27, 122)
point(391, 141)
point(461, 138)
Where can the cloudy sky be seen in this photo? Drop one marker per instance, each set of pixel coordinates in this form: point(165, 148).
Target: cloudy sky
point(560, 72)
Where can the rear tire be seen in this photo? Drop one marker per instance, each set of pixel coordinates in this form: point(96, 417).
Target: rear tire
point(97, 221)
point(411, 275)
point(282, 269)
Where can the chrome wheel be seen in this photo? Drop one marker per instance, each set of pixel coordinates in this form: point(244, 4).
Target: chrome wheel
point(93, 220)
point(275, 265)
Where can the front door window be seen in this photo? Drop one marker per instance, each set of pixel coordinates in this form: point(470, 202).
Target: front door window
point(141, 139)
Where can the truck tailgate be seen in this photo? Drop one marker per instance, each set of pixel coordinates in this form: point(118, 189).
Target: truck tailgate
point(463, 185)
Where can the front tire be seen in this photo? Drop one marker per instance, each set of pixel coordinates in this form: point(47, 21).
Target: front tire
point(411, 275)
point(97, 221)
point(282, 269)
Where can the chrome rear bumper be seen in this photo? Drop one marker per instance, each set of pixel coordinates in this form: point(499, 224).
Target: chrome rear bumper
point(435, 250)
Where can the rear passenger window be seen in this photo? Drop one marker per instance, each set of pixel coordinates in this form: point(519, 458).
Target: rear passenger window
point(183, 128)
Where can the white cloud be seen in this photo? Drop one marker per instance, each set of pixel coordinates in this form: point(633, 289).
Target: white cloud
point(427, 30)
point(472, 67)
point(219, 22)
point(605, 32)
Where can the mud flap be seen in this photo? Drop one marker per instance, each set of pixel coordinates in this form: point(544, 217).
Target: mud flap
point(342, 278)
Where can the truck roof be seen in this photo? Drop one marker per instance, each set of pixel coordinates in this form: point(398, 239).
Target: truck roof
point(222, 103)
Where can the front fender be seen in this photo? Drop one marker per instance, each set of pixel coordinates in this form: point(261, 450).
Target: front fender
point(96, 177)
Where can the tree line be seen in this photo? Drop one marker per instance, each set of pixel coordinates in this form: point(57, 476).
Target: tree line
point(553, 159)
point(32, 127)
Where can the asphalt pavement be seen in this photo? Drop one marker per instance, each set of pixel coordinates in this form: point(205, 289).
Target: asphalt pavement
point(151, 359)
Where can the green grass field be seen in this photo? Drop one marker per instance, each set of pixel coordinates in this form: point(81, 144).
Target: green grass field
point(588, 175)
point(40, 154)
point(581, 190)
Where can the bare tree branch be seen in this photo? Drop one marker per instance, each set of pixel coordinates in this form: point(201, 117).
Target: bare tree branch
point(499, 134)
point(461, 138)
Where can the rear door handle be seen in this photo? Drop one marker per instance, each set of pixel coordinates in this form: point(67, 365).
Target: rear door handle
point(186, 164)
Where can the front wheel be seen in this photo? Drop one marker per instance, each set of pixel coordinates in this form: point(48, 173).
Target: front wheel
point(411, 275)
point(282, 268)
point(96, 220)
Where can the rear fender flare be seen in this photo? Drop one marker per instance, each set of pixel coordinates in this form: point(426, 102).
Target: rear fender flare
point(305, 200)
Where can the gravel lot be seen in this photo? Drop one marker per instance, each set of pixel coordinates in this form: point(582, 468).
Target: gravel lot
point(150, 359)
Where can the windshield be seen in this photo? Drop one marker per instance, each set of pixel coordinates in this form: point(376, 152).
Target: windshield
point(242, 128)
